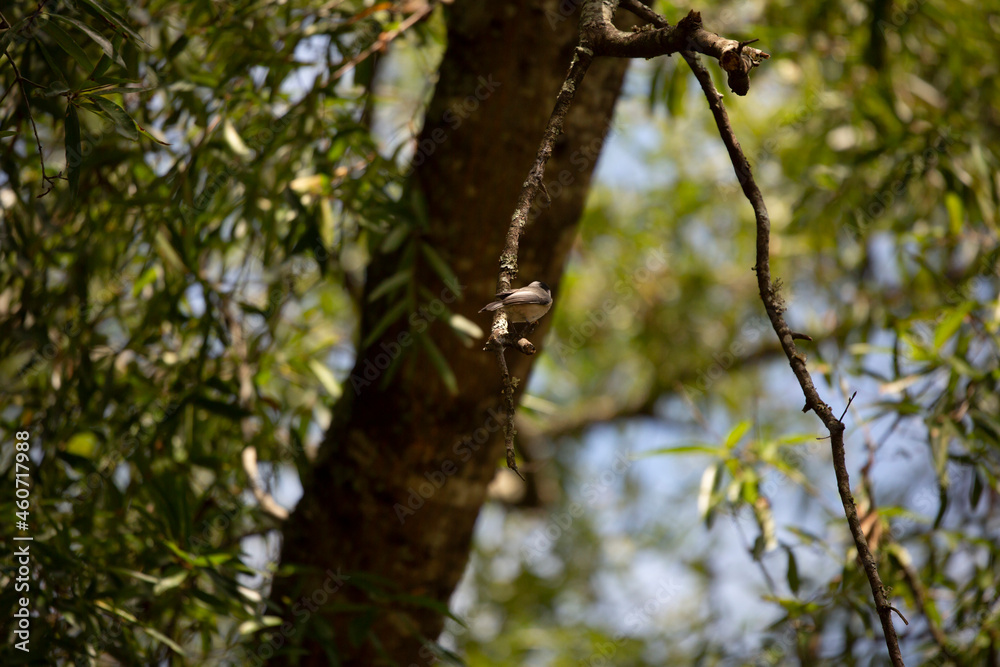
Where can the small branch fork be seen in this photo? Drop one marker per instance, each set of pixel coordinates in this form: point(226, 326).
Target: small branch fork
point(599, 37)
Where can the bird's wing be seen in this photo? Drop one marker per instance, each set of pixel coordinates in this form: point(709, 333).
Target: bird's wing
point(518, 298)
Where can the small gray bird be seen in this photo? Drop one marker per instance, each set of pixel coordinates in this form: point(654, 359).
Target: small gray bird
point(524, 304)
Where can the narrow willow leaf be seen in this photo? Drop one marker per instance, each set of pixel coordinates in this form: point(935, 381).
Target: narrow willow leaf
point(395, 237)
point(69, 45)
point(682, 449)
point(326, 378)
point(167, 583)
point(98, 38)
point(440, 364)
point(124, 124)
point(113, 18)
point(387, 320)
point(950, 324)
point(708, 482)
point(441, 268)
point(234, 140)
point(676, 91)
point(391, 283)
point(736, 434)
point(793, 571)
point(160, 637)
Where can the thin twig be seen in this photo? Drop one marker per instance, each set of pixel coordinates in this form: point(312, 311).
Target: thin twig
point(847, 407)
point(383, 40)
point(508, 426)
point(34, 129)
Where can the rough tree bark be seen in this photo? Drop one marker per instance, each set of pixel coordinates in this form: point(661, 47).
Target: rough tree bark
point(384, 443)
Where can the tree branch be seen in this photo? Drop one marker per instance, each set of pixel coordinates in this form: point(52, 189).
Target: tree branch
point(499, 336)
point(599, 33)
point(774, 305)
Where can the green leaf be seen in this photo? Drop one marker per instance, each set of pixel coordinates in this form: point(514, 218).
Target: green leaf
point(234, 140)
point(69, 45)
point(953, 202)
point(441, 268)
point(159, 636)
point(141, 576)
point(676, 90)
point(56, 88)
point(683, 449)
point(146, 134)
point(171, 258)
point(7, 36)
point(113, 18)
point(55, 68)
point(656, 83)
point(326, 378)
point(395, 237)
point(976, 492)
point(440, 364)
point(82, 444)
point(117, 611)
point(253, 625)
point(793, 571)
point(74, 150)
point(950, 324)
point(109, 89)
point(177, 47)
point(168, 583)
point(387, 320)
point(463, 326)
point(391, 283)
point(212, 560)
point(124, 124)
point(796, 438)
point(147, 278)
point(737, 434)
point(98, 38)
point(106, 59)
point(710, 480)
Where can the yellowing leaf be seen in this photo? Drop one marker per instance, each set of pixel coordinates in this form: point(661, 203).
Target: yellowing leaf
point(82, 444)
point(326, 378)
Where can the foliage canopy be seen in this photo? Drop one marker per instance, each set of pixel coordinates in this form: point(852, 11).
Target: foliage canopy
point(184, 279)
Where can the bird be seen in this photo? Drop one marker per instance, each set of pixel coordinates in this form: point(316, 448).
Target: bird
point(524, 304)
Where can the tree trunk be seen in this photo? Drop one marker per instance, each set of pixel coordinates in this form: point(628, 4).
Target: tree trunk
point(393, 498)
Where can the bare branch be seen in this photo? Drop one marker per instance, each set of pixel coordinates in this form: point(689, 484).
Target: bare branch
point(774, 305)
point(599, 33)
point(499, 336)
